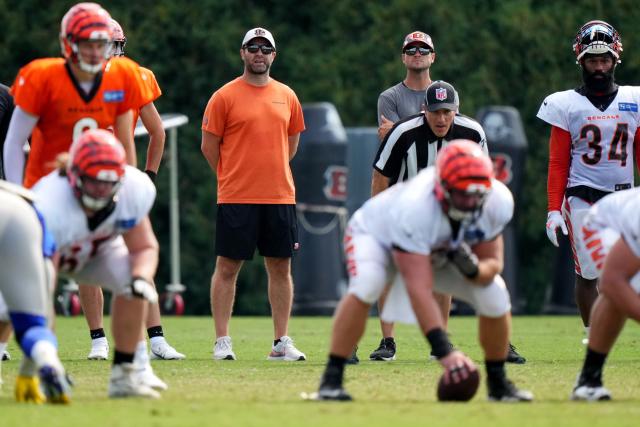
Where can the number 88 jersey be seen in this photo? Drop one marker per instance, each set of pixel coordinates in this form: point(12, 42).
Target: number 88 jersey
point(601, 141)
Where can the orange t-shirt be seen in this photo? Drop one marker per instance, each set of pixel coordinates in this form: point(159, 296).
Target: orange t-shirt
point(45, 88)
point(255, 123)
point(151, 84)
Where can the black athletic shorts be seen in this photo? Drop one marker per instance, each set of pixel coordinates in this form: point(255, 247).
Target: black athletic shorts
point(241, 228)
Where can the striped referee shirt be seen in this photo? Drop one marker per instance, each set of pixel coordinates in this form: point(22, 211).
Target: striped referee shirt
point(411, 145)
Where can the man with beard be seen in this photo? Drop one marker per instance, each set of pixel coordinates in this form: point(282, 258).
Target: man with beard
point(250, 132)
point(589, 153)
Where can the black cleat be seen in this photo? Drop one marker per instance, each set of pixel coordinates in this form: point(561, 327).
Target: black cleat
point(505, 391)
point(386, 350)
point(333, 393)
point(353, 359)
point(514, 357)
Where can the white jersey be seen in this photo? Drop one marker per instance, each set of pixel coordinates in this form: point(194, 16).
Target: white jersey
point(409, 216)
point(601, 141)
point(620, 212)
point(75, 238)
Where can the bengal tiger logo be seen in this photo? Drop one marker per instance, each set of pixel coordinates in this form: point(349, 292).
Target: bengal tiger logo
point(335, 187)
point(502, 167)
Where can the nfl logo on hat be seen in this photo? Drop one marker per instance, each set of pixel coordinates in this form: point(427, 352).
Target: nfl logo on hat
point(441, 94)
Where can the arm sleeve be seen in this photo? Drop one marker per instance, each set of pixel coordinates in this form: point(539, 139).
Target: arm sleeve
point(387, 107)
point(20, 128)
point(558, 173)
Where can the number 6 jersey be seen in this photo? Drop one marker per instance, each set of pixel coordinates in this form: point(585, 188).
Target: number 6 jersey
point(601, 140)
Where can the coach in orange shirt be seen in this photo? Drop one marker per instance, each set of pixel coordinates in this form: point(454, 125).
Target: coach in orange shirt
point(250, 132)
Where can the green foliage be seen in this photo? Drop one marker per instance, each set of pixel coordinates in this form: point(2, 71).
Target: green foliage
point(346, 52)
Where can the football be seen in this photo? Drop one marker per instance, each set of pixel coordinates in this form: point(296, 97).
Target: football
point(462, 391)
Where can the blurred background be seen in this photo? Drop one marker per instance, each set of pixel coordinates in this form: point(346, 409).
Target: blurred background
point(345, 52)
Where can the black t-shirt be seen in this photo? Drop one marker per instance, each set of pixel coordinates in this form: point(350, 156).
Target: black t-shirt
point(6, 110)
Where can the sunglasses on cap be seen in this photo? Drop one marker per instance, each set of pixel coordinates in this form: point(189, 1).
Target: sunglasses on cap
point(266, 50)
point(415, 49)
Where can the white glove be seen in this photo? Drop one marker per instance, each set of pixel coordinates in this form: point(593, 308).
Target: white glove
point(555, 220)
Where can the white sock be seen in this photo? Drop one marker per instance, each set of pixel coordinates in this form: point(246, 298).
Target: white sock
point(3, 347)
point(586, 330)
point(44, 353)
point(157, 340)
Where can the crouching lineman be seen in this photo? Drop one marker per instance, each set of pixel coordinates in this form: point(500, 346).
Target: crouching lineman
point(440, 230)
point(24, 282)
point(611, 236)
point(97, 211)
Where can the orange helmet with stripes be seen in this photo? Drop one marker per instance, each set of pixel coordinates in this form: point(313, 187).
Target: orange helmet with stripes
point(119, 39)
point(464, 178)
point(86, 22)
point(96, 167)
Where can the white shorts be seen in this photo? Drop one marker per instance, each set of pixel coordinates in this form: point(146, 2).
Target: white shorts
point(574, 211)
point(370, 268)
point(109, 268)
point(597, 243)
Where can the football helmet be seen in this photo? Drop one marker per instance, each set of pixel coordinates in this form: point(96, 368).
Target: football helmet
point(95, 168)
point(85, 22)
point(597, 37)
point(463, 179)
point(119, 39)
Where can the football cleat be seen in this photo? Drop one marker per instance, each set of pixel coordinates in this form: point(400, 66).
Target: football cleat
point(123, 383)
point(27, 389)
point(145, 375)
point(222, 349)
point(286, 351)
point(506, 391)
point(338, 394)
point(514, 357)
point(161, 350)
point(99, 349)
point(353, 359)
point(386, 350)
point(55, 384)
point(6, 355)
point(590, 394)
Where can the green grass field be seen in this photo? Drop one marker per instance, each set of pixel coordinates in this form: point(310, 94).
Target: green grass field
point(253, 392)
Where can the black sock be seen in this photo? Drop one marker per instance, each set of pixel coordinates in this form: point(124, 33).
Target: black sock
point(592, 369)
point(97, 333)
point(155, 331)
point(275, 342)
point(333, 372)
point(495, 370)
point(119, 357)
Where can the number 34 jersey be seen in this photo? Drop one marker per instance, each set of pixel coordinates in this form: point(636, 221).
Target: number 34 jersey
point(77, 238)
point(46, 88)
point(601, 141)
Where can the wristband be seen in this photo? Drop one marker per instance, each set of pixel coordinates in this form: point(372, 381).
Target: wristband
point(152, 175)
point(440, 344)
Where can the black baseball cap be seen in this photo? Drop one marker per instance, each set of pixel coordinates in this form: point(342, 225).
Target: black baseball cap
point(441, 95)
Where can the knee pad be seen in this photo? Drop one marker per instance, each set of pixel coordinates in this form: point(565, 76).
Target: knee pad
point(493, 300)
point(369, 283)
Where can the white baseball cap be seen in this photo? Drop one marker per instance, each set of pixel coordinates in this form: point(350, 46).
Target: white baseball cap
point(258, 32)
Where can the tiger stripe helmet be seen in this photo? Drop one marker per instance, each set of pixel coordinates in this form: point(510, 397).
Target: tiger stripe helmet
point(597, 38)
point(463, 168)
point(96, 155)
point(119, 39)
point(85, 22)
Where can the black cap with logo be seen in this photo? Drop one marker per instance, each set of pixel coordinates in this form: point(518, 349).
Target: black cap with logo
point(441, 95)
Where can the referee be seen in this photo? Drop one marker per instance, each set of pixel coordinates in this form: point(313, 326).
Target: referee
point(413, 143)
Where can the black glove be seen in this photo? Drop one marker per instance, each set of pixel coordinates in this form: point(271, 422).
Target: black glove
point(152, 175)
point(465, 260)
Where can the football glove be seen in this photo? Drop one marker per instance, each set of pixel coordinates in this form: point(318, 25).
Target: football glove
point(465, 260)
point(555, 221)
point(141, 288)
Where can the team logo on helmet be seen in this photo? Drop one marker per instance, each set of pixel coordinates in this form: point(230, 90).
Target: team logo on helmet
point(597, 38)
point(85, 22)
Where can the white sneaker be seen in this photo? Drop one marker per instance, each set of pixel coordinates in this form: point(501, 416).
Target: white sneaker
point(124, 384)
point(6, 355)
point(222, 349)
point(99, 349)
point(590, 394)
point(285, 350)
point(160, 349)
point(146, 376)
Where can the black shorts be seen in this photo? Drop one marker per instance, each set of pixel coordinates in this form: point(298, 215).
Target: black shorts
point(240, 228)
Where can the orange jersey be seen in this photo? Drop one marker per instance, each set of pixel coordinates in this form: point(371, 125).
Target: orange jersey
point(255, 123)
point(149, 80)
point(46, 88)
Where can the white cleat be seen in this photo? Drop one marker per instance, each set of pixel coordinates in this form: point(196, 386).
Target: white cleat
point(590, 394)
point(123, 383)
point(6, 355)
point(222, 349)
point(286, 351)
point(99, 349)
point(147, 377)
point(163, 351)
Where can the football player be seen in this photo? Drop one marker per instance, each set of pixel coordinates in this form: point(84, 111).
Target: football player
point(91, 297)
point(97, 211)
point(26, 248)
point(594, 139)
point(59, 98)
point(440, 230)
point(609, 235)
